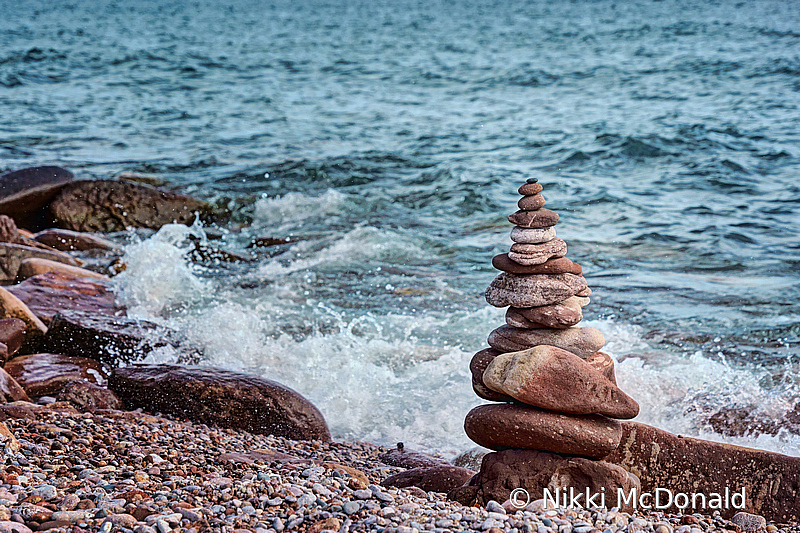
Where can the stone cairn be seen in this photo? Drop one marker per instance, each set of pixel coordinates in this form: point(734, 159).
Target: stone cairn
point(556, 391)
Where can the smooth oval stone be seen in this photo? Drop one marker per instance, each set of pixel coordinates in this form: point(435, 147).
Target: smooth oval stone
point(532, 180)
point(531, 202)
point(536, 254)
point(67, 240)
point(501, 426)
point(46, 374)
point(560, 315)
point(541, 218)
point(430, 478)
point(532, 290)
point(582, 300)
point(25, 193)
point(532, 236)
point(557, 380)
point(585, 293)
point(478, 366)
point(583, 342)
point(12, 334)
point(10, 390)
point(530, 188)
point(33, 266)
point(558, 265)
point(12, 256)
point(13, 307)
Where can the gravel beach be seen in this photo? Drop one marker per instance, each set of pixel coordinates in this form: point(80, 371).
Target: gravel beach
point(133, 472)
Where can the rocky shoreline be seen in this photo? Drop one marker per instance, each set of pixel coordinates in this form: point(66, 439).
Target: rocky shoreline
point(89, 444)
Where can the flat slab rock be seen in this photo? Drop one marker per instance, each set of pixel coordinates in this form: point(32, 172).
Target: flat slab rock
point(108, 339)
point(535, 471)
point(771, 481)
point(12, 256)
point(532, 290)
point(25, 193)
point(406, 458)
point(52, 292)
point(220, 397)
point(441, 478)
point(46, 374)
point(107, 206)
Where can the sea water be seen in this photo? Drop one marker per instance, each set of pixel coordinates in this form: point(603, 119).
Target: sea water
point(383, 142)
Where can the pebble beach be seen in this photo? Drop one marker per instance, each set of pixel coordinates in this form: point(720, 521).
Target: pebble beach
point(66, 471)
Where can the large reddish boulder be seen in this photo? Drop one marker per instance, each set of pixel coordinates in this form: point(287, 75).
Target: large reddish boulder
point(661, 460)
point(25, 193)
point(442, 478)
point(46, 374)
point(10, 390)
point(52, 292)
point(106, 206)
point(220, 397)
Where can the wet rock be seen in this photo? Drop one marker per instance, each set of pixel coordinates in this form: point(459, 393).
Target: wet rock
point(49, 293)
point(46, 374)
point(10, 390)
point(502, 472)
point(430, 478)
point(13, 307)
point(561, 315)
point(109, 339)
point(471, 458)
point(603, 363)
point(68, 241)
point(12, 334)
point(750, 523)
point(536, 254)
point(532, 290)
point(477, 367)
point(661, 459)
point(25, 193)
point(531, 202)
point(558, 265)
point(555, 379)
point(404, 458)
point(583, 342)
point(219, 397)
point(541, 218)
point(209, 255)
point(106, 206)
point(89, 397)
point(34, 266)
point(12, 256)
point(499, 426)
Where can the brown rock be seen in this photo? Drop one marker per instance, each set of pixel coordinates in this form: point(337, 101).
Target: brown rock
point(109, 339)
point(478, 366)
point(535, 471)
point(532, 236)
point(45, 374)
point(12, 335)
point(583, 342)
point(532, 290)
point(554, 379)
point(559, 315)
point(536, 254)
point(89, 397)
point(265, 456)
point(683, 464)
point(34, 266)
point(12, 307)
point(67, 241)
point(107, 206)
point(10, 390)
point(327, 524)
point(26, 193)
point(12, 256)
point(603, 363)
point(531, 202)
point(47, 294)
point(466, 495)
point(541, 218)
point(404, 458)
point(558, 265)
point(220, 397)
point(9, 231)
point(585, 293)
point(499, 426)
point(530, 188)
point(431, 478)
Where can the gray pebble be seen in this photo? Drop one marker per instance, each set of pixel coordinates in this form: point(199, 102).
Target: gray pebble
point(351, 507)
point(494, 507)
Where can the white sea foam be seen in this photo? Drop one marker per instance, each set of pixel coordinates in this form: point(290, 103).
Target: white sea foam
point(391, 377)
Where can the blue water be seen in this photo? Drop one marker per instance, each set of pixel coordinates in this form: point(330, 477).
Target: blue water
point(387, 140)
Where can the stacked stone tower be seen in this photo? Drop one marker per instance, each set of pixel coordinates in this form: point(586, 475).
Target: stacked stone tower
point(555, 390)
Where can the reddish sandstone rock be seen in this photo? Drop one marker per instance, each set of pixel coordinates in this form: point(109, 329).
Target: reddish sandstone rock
point(45, 374)
point(478, 366)
point(681, 464)
point(554, 379)
point(33, 266)
point(220, 397)
point(535, 471)
point(499, 426)
point(558, 265)
point(25, 193)
point(531, 202)
point(541, 218)
point(10, 390)
point(68, 241)
point(603, 363)
point(431, 478)
point(536, 254)
point(559, 315)
point(89, 397)
point(13, 307)
point(12, 256)
point(47, 294)
point(530, 188)
point(106, 206)
point(12, 335)
point(583, 342)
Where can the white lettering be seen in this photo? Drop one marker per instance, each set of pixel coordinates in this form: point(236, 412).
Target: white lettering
point(659, 492)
